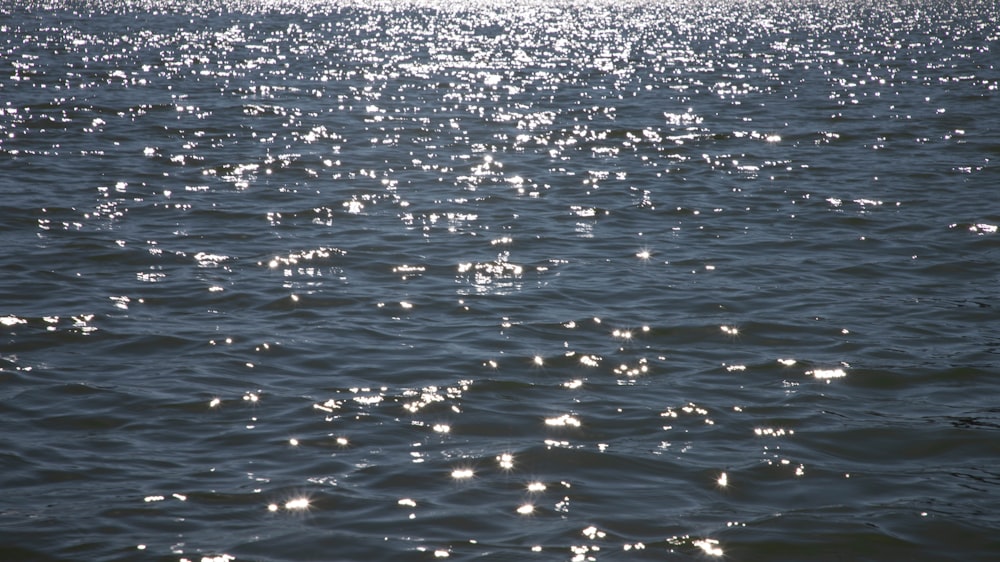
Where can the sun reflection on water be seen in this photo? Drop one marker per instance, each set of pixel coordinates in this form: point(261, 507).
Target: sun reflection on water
point(564, 420)
point(506, 461)
point(709, 546)
point(827, 374)
point(576, 167)
point(462, 473)
point(297, 504)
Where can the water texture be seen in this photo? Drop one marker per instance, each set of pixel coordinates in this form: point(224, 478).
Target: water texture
point(522, 280)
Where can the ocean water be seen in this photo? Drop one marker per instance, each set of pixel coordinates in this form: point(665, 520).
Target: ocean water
point(525, 280)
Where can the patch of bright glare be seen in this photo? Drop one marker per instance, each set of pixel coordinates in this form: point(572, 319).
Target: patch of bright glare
point(623, 334)
point(723, 480)
point(12, 320)
point(773, 432)
point(526, 509)
point(219, 558)
point(827, 373)
point(297, 503)
point(539, 360)
point(506, 461)
point(709, 546)
point(536, 487)
point(594, 533)
point(787, 362)
point(562, 421)
point(462, 473)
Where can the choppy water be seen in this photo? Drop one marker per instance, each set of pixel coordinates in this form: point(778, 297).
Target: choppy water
point(500, 281)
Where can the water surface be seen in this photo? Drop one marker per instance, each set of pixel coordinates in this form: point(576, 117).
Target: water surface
point(499, 281)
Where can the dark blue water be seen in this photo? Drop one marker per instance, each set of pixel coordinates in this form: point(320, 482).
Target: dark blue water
point(290, 281)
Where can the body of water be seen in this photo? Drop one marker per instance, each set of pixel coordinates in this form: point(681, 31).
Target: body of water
point(525, 280)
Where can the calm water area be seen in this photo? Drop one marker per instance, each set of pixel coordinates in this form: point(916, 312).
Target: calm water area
point(531, 280)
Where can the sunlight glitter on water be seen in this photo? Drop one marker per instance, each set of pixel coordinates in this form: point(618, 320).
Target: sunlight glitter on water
point(506, 461)
point(462, 473)
point(709, 546)
point(528, 160)
point(826, 374)
point(564, 420)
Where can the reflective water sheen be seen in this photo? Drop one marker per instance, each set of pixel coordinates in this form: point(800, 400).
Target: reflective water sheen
point(522, 280)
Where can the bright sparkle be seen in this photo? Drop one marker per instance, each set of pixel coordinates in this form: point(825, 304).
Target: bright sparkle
point(827, 373)
point(462, 473)
point(506, 461)
point(709, 546)
point(593, 533)
point(563, 420)
point(297, 503)
point(623, 334)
